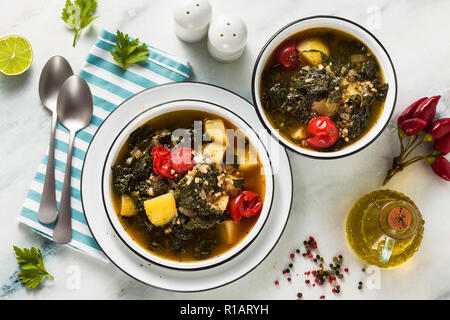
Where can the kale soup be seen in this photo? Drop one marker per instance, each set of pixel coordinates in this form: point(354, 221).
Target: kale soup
point(323, 89)
point(184, 189)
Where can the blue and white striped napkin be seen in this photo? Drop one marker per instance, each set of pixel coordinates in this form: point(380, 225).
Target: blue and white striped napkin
point(109, 88)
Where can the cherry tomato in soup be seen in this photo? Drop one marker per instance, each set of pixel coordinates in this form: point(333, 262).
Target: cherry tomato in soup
point(162, 162)
point(287, 56)
point(182, 160)
point(245, 204)
point(323, 133)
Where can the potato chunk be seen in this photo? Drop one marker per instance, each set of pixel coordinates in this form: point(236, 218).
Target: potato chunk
point(127, 206)
point(299, 133)
point(215, 128)
point(325, 107)
point(308, 49)
point(228, 231)
point(214, 152)
point(247, 158)
point(161, 210)
point(221, 203)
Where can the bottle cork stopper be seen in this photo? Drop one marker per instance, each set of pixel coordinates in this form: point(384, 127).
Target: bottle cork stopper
point(399, 218)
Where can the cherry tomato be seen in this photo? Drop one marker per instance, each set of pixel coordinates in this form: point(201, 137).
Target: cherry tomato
point(245, 204)
point(182, 160)
point(287, 56)
point(162, 163)
point(322, 132)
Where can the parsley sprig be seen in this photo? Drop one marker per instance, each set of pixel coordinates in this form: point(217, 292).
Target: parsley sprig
point(78, 15)
point(128, 51)
point(32, 265)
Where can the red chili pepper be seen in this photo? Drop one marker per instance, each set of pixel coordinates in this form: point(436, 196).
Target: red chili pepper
point(323, 133)
point(245, 204)
point(443, 144)
point(413, 126)
point(162, 163)
point(440, 128)
point(408, 112)
point(441, 167)
point(182, 160)
point(427, 109)
point(287, 56)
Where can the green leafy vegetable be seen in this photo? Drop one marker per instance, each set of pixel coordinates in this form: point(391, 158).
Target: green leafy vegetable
point(204, 223)
point(204, 248)
point(128, 51)
point(32, 265)
point(78, 15)
point(122, 178)
point(189, 195)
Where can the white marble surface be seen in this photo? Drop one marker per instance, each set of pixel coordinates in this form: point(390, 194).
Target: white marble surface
point(415, 34)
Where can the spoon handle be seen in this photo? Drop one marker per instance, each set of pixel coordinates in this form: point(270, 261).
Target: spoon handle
point(63, 228)
point(47, 208)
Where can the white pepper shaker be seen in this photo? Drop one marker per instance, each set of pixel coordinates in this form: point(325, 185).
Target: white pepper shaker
point(227, 37)
point(191, 19)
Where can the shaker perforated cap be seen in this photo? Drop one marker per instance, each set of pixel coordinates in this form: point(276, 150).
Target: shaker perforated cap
point(192, 14)
point(227, 37)
point(191, 19)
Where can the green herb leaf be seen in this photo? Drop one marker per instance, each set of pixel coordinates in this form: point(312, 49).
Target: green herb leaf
point(32, 265)
point(78, 15)
point(128, 51)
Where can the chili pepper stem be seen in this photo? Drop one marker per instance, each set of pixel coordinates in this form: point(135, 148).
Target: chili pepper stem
point(412, 146)
point(413, 160)
point(400, 162)
point(400, 137)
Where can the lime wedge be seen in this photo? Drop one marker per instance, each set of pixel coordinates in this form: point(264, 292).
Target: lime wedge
point(15, 55)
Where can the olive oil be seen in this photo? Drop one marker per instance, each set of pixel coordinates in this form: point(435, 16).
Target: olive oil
point(384, 228)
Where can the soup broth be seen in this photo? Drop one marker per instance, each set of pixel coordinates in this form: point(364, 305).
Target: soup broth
point(201, 225)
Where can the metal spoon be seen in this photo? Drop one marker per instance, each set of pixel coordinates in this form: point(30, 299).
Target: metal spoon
point(53, 75)
point(75, 107)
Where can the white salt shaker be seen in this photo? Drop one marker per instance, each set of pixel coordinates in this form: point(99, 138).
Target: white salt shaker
point(227, 37)
point(191, 19)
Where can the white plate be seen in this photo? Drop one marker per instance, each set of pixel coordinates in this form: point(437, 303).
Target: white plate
point(138, 267)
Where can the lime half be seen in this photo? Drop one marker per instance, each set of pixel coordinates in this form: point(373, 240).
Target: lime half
point(15, 55)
